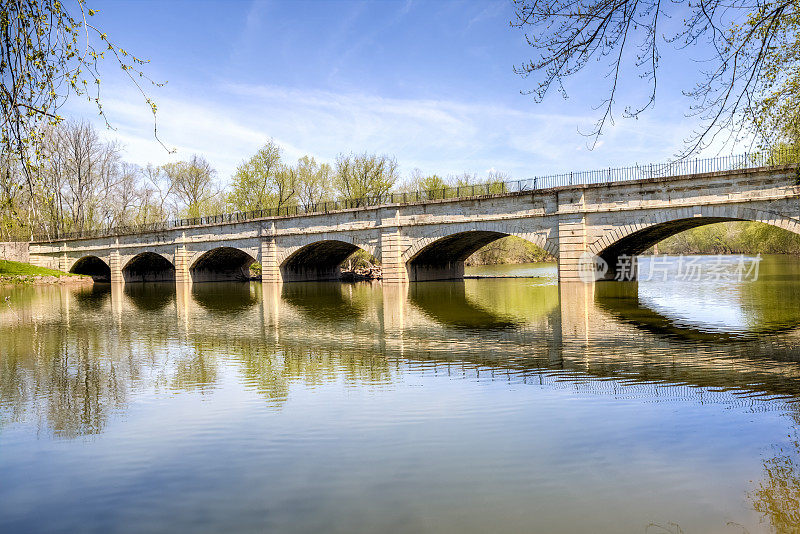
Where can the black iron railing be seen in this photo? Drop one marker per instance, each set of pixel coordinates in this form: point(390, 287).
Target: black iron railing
point(772, 158)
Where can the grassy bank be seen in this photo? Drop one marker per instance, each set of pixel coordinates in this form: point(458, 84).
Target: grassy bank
point(13, 272)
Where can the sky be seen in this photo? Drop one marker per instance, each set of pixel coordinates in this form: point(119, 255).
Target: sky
point(430, 83)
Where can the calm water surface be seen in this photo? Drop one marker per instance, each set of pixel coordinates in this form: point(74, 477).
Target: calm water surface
point(507, 405)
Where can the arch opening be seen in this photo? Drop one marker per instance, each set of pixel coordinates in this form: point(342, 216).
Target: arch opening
point(148, 267)
point(317, 261)
point(444, 258)
point(681, 236)
point(223, 264)
point(621, 255)
point(94, 267)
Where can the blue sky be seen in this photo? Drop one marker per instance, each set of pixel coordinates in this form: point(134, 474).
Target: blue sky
point(430, 83)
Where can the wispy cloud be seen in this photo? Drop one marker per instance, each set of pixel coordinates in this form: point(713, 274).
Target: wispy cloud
point(229, 122)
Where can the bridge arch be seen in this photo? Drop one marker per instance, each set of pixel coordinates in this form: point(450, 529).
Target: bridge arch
point(633, 239)
point(222, 264)
point(92, 266)
point(441, 254)
point(318, 260)
point(148, 267)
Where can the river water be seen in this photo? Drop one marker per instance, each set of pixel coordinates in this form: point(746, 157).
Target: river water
point(488, 405)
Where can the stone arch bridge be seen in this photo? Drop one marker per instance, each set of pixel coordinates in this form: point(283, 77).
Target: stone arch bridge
point(430, 240)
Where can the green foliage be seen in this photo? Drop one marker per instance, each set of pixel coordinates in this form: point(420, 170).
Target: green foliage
point(776, 114)
point(738, 237)
point(260, 182)
point(778, 494)
point(314, 182)
point(193, 183)
point(509, 249)
point(360, 259)
point(364, 175)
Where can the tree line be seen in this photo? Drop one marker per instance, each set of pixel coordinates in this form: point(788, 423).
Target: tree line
point(82, 183)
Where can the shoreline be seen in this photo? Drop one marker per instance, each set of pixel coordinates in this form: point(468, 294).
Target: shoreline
point(44, 280)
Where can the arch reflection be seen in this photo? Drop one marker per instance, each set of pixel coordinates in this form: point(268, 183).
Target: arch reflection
point(150, 296)
point(225, 298)
point(752, 310)
point(92, 297)
point(485, 304)
point(329, 302)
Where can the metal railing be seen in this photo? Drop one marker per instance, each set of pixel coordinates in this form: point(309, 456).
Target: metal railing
point(772, 158)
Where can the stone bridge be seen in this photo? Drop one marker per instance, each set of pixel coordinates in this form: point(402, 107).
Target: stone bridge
point(430, 240)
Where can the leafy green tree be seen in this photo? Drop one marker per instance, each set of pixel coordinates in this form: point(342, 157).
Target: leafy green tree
point(257, 182)
point(432, 186)
point(777, 112)
point(314, 181)
point(193, 184)
point(285, 187)
point(431, 182)
point(364, 175)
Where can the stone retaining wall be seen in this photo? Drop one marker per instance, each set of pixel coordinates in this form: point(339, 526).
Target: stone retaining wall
point(14, 251)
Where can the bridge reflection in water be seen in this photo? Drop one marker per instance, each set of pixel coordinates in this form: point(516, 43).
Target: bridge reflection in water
point(597, 338)
point(76, 357)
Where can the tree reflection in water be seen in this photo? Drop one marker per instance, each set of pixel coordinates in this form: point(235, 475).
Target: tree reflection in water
point(74, 358)
point(778, 494)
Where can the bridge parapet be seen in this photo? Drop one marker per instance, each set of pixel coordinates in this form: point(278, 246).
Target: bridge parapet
point(431, 240)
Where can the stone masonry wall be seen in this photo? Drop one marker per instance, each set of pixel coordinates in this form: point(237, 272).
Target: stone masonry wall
point(14, 251)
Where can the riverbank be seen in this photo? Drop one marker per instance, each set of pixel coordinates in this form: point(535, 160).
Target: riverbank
point(17, 273)
point(509, 250)
point(735, 237)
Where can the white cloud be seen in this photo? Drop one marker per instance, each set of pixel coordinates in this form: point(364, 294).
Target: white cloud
point(229, 122)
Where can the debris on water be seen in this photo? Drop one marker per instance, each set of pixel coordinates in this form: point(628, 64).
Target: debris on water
point(361, 274)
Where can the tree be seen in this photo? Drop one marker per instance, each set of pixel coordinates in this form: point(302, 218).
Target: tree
point(81, 184)
point(778, 493)
point(133, 202)
point(48, 54)
point(418, 181)
point(11, 199)
point(74, 181)
point(158, 191)
point(313, 181)
point(256, 180)
point(431, 185)
point(777, 115)
point(88, 170)
point(364, 175)
point(753, 43)
point(285, 186)
point(193, 185)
